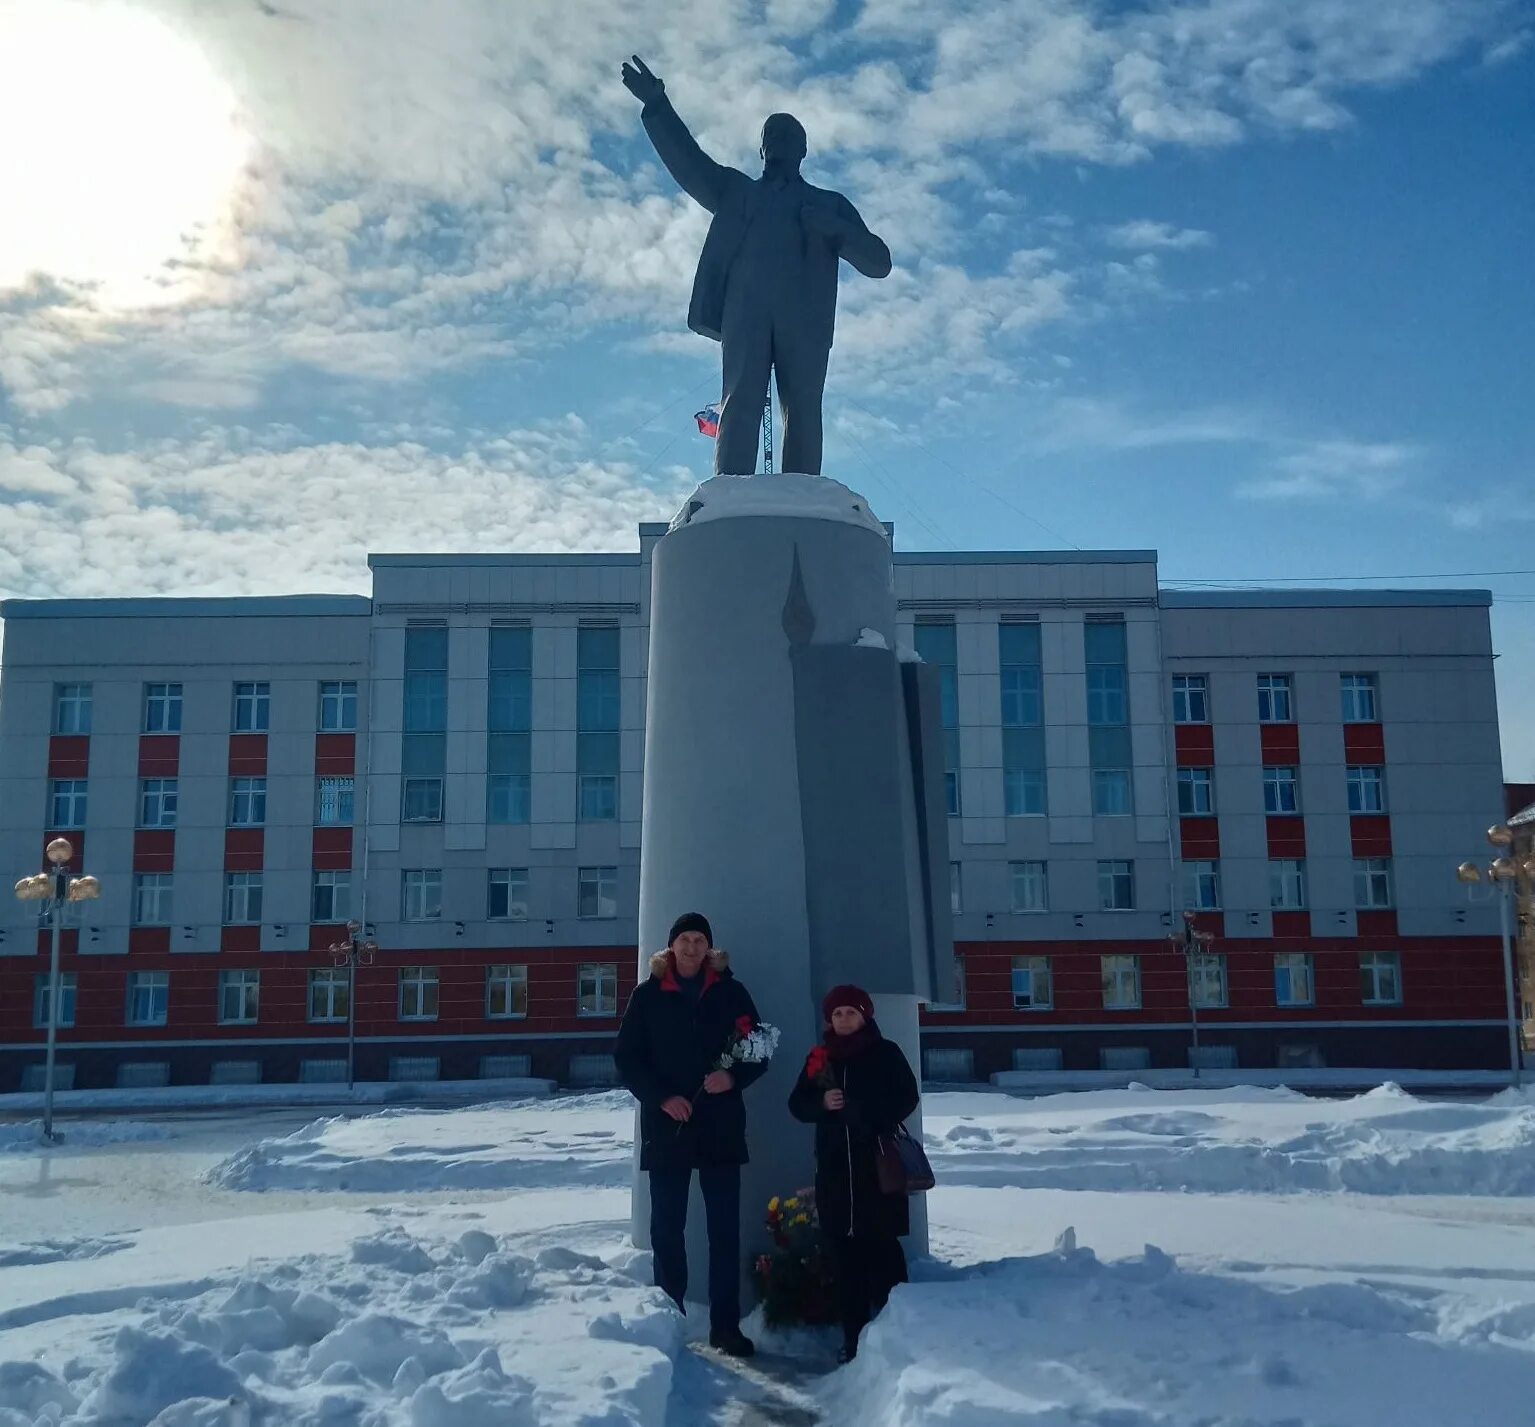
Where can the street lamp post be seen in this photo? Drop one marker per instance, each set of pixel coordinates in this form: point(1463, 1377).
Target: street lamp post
point(1502, 874)
point(55, 886)
point(1192, 943)
point(355, 951)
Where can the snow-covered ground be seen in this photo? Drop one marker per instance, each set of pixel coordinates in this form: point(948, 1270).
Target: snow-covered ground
point(1226, 1258)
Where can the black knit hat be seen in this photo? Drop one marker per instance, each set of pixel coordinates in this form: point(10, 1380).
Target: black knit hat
point(691, 922)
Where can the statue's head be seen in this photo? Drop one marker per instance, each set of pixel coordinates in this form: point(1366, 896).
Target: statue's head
point(783, 140)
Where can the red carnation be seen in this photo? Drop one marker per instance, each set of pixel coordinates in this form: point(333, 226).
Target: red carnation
point(744, 1025)
point(815, 1063)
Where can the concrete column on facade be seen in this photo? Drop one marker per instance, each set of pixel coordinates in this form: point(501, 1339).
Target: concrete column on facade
point(785, 794)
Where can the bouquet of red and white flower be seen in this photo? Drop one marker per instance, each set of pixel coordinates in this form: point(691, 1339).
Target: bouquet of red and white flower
point(752, 1043)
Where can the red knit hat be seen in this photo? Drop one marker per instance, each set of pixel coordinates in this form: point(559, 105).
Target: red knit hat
point(854, 996)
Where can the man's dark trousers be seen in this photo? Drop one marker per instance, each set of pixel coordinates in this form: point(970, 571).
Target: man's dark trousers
point(721, 1185)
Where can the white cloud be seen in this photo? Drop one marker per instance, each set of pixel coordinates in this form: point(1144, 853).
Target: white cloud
point(1144, 234)
point(1334, 469)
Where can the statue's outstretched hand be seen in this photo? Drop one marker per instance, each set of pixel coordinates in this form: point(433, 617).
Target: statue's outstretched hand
point(640, 82)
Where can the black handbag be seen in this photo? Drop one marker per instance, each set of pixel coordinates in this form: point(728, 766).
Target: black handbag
point(901, 1163)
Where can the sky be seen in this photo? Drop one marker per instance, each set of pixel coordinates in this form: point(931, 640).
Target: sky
point(283, 282)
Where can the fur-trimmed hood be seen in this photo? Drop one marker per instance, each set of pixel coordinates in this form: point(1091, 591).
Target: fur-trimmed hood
point(661, 965)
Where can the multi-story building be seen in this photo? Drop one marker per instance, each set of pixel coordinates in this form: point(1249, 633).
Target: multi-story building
point(456, 763)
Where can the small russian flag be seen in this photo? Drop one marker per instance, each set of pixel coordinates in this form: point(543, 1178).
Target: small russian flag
point(709, 419)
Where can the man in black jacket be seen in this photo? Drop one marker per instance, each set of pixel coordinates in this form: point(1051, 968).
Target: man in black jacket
point(692, 1117)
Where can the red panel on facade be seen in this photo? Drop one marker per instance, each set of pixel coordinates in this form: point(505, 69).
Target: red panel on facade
point(1195, 743)
point(247, 755)
point(1200, 837)
point(243, 848)
point(1364, 743)
point(1286, 836)
point(154, 849)
point(69, 755)
point(1281, 743)
point(1212, 922)
point(324, 936)
point(332, 849)
point(1378, 923)
point(1292, 924)
point(240, 938)
point(1371, 834)
point(149, 938)
point(159, 755)
point(335, 753)
point(69, 941)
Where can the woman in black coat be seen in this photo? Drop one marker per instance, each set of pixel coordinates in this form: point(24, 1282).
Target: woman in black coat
point(855, 1086)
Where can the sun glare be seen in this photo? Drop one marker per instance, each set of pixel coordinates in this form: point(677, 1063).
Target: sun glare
point(121, 151)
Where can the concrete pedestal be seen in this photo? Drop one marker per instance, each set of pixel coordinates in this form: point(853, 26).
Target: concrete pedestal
point(793, 787)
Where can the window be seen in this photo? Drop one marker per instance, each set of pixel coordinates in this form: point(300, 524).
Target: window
point(1380, 978)
point(162, 708)
point(951, 1067)
point(418, 993)
point(1359, 701)
point(1031, 983)
point(1191, 699)
point(152, 899)
point(1116, 886)
point(41, 992)
point(247, 802)
point(1023, 734)
point(1030, 886)
point(507, 898)
point(333, 802)
point(597, 892)
point(331, 902)
point(1274, 705)
point(1207, 977)
point(1372, 882)
point(508, 796)
point(157, 802)
point(1287, 883)
point(67, 808)
point(506, 992)
point(329, 994)
point(1202, 885)
point(421, 800)
point(1121, 982)
point(242, 898)
point(338, 706)
point(421, 894)
point(958, 1003)
point(1293, 981)
point(1366, 789)
point(597, 715)
point(1281, 790)
point(956, 888)
point(935, 645)
point(239, 997)
point(149, 995)
point(597, 989)
point(509, 717)
point(71, 708)
point(1111, 791)
point(1196, 791)
point(253, 708)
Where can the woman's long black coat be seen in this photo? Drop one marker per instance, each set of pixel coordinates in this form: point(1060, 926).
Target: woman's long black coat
point(881, 1092)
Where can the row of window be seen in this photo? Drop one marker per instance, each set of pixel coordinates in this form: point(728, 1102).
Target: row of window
point(160, 799)
point(329, 995)
point(1380, 981)
point(250, 707)
point(1365, 783)
point(1358, 696)
point(1029, 885)
point(332, 899)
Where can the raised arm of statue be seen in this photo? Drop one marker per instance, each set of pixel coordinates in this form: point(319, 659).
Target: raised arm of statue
point(698, 175)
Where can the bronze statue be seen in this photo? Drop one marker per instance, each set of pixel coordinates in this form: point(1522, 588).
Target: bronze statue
point(766, 286)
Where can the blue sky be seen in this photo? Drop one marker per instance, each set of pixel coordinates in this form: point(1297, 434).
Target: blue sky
point(1246, 281)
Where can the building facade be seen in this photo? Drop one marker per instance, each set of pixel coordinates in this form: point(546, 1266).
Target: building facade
point(456, 762)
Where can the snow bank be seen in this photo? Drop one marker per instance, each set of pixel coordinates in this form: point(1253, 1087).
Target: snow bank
point(393, 1331)
point(579, 1140)
point(793, 496)
point(28, 1134)
point(1064, 1339)
point(1234, 1140)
